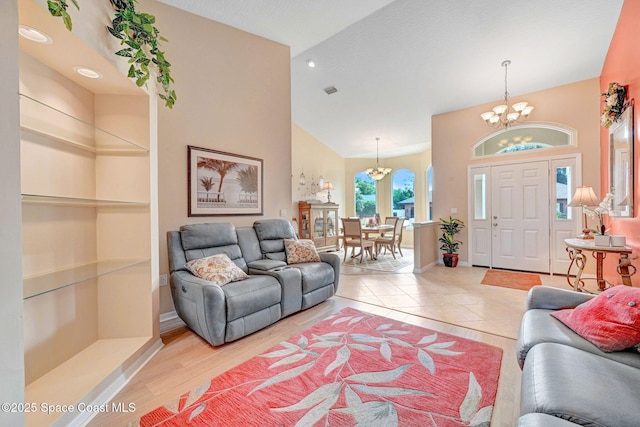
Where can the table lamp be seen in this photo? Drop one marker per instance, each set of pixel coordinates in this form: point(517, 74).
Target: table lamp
point(328, 186)
point(584, 197)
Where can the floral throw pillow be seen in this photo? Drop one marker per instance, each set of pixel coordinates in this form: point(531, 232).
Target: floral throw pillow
point(610, 321)
point(218, 269)
point(299, 251)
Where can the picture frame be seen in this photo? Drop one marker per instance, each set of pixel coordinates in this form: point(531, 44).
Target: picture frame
point(223, 184)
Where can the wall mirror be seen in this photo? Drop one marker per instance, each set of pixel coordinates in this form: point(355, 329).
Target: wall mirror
point(621, 164)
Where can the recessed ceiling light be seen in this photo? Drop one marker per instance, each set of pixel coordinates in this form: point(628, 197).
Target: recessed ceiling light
point(311, 63)
point(34, 35)
point(87, 72)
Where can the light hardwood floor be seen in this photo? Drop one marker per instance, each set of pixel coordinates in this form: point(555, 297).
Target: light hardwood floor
point(443, 299)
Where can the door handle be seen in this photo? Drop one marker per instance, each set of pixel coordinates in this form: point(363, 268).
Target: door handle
point(495, 217)
point(495, 224)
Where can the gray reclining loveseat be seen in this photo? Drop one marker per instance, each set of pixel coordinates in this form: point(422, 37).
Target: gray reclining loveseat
point(273, 290)
point(567, 380)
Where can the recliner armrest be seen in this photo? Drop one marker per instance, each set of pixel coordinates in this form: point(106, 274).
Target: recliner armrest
point(334, 261)
point(201, 305)
point(549, 298)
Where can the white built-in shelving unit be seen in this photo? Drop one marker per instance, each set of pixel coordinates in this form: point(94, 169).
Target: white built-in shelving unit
point(86, 192)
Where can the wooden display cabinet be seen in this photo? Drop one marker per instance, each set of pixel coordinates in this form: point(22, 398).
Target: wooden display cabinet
point(320, 223)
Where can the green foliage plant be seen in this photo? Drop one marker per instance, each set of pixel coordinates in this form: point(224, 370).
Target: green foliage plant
point(58, 8)
point(450, 227)
point(140, 38)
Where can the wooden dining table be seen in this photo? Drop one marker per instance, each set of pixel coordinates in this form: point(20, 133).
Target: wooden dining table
point(376, 229)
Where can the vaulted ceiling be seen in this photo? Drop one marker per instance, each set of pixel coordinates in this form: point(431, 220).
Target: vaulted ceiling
point(397, 63)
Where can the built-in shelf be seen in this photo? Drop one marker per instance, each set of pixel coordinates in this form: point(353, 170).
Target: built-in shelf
point(87, 236)
point(72, 381)
point(52, 281)
point(41, 199)
point(43, 120)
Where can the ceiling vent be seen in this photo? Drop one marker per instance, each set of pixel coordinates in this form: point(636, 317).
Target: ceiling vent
point(330, 90)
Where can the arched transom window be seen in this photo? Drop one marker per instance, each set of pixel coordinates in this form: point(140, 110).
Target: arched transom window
point(524, 138)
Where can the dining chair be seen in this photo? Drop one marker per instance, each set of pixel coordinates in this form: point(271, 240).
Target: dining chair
point(341, 235)
point(391, 220)
point(399, 230)
point(353, 239)
point(391, 240)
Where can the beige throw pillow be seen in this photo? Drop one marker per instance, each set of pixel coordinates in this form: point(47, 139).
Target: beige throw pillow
point(218, 269)
point(299, 251)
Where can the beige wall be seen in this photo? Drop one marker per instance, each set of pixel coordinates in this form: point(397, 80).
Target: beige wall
point(575, 105)
point(425, 236)
point(315, 159)
point(233, 95)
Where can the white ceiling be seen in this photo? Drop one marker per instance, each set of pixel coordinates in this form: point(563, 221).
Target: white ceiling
point(397, 63)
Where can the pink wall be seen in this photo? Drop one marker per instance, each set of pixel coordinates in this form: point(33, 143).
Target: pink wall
point(622, 65)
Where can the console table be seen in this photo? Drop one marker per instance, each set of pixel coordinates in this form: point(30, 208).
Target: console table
point(575, 248)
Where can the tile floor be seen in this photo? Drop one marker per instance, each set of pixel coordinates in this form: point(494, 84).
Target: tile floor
point(451, 295)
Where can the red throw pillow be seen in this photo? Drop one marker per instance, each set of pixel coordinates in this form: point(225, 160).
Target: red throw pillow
point(611, 321)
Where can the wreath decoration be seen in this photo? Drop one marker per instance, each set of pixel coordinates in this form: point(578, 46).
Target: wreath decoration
point(615, 104)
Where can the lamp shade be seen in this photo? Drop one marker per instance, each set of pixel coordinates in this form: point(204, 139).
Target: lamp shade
point(584, 197)
point(327, 185)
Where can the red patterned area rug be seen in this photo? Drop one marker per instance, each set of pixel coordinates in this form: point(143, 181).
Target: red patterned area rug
point(352, 368)
point(511, 279)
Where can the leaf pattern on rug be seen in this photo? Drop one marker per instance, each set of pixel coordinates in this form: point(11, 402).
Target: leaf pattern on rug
point(283, 376)
point(469, 411)
point(373, 414)
point(353, 368)
point(329, 392)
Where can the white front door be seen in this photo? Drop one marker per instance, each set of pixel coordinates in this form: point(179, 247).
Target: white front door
point(520, 216)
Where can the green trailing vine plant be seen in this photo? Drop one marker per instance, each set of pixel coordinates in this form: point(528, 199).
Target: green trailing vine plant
point(59, 8)
point(140, 38)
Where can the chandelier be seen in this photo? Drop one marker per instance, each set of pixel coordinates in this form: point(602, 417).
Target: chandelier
point(501, 116)
point(377, 173)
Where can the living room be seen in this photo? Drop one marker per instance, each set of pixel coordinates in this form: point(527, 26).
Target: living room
point(235, 96)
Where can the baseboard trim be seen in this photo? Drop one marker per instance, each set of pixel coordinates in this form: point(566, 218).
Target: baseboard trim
point(168, 316)
point(425, 267)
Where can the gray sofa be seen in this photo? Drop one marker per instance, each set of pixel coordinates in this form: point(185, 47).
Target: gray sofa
point(566, 380)
point(274, 289)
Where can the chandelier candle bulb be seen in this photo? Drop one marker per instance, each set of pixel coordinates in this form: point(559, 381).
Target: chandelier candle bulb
point(520, 106)
point(500, 109)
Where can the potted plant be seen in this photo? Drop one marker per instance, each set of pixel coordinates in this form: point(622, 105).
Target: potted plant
point(450, 227)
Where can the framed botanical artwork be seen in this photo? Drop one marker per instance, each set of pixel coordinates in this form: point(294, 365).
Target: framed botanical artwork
point(223, 183)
